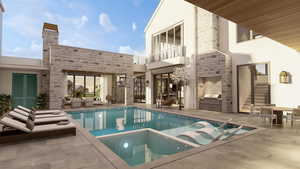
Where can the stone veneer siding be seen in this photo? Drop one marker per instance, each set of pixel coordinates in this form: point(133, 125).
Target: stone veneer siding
point(214, 64)
point(79, 59)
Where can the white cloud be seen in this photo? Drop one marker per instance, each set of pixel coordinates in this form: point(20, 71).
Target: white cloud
point(106, 23)
point(35, 46)
point(32, 50)
point(24, 25)
point(137, 3)
point(134, 27)
point(83, 20)
point(139, 56)
point(78, 22)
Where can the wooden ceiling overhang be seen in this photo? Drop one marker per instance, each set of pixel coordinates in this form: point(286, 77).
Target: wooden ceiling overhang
point(276, 19)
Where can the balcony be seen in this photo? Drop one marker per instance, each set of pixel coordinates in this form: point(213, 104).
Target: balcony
point(167, 56)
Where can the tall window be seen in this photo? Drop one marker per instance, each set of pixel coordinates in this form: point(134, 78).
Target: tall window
point(98, 87)
point(79, 86)
point(89, 86)
point(139, 89)
point(245, 34)
point(70, 85)
point(168, 44)
point(84, 86)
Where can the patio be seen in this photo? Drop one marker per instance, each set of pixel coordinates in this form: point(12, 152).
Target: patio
point(270, 148)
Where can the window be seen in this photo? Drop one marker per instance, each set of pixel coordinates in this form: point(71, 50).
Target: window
point(139, 89)
point(168, 44)
point(245, 34)
point(70, 85)
point(79, 86)
point(98, 87)
point(84, 86)
point(89, 86)
point(178, 38)
point(261, 69)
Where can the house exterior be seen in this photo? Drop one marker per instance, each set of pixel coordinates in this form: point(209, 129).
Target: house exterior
point(195, 48)
point(228, 67)
point(66, 71)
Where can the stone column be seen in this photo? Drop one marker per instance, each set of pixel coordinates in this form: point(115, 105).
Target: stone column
point(129, 90)
point(227, 85)
point(149, 88)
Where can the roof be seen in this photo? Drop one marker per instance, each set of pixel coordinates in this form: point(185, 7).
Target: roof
point(50, 26)
point(276, 19)
point(153, 15)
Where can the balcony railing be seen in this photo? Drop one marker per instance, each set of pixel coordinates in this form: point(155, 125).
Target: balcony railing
point(167, 52)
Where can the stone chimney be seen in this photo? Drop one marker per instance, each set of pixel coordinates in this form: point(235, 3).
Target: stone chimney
point(50, 37)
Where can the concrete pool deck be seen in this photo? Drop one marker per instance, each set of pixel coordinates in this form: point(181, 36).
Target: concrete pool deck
point(276, 148)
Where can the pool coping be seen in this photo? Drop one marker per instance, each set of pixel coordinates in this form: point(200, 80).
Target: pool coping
point(119, 163)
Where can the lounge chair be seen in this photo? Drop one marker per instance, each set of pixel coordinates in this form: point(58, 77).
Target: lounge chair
point(40, 115)
point(202, 124)
point(39, 112)
point(20, 132)
point(37, 121)
point(206, 136)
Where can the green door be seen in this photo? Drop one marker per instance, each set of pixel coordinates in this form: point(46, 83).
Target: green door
point(24, 90)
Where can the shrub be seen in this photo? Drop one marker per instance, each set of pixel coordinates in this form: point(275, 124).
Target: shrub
point(42, 102)
point(5, 103)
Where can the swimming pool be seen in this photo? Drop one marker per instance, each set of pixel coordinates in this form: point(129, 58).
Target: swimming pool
point(142, 146)
point(115, 127)
point(110, 121)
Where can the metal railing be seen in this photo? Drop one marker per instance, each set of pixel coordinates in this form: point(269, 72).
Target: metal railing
point(167, 52)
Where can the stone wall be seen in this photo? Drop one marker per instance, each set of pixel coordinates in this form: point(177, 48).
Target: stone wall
point(213, 64)
point(86, 60)
point(49, 38)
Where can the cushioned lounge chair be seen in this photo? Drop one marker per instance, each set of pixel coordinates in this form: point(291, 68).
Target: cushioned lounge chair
point(206, 136)
point(39, 116)
point(39, 112)
point(202, 124)
point(19, 132)
point(37, 121)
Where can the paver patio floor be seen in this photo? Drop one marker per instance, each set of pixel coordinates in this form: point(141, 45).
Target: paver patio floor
point(276, 148)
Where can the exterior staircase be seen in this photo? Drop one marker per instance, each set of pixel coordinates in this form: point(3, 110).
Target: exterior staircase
point(262, 96)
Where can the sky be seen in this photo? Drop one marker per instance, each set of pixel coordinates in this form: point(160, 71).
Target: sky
point(110, 25)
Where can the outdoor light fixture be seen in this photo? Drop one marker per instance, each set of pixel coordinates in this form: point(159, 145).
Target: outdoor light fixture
point(284, 77)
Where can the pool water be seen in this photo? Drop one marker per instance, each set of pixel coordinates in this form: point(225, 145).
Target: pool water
point(143, 146)
point(110, 121)
point(119, 129)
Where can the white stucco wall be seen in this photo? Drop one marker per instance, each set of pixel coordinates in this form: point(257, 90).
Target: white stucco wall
point(6, 80)
point(165, 18)
point(281, 58)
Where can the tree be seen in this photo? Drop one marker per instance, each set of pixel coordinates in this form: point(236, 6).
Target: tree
point(181, 77)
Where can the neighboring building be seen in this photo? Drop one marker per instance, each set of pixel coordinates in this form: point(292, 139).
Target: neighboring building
point(228, 67)
point(66, 71)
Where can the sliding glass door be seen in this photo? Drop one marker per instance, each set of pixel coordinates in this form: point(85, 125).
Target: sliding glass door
point(253, 86)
